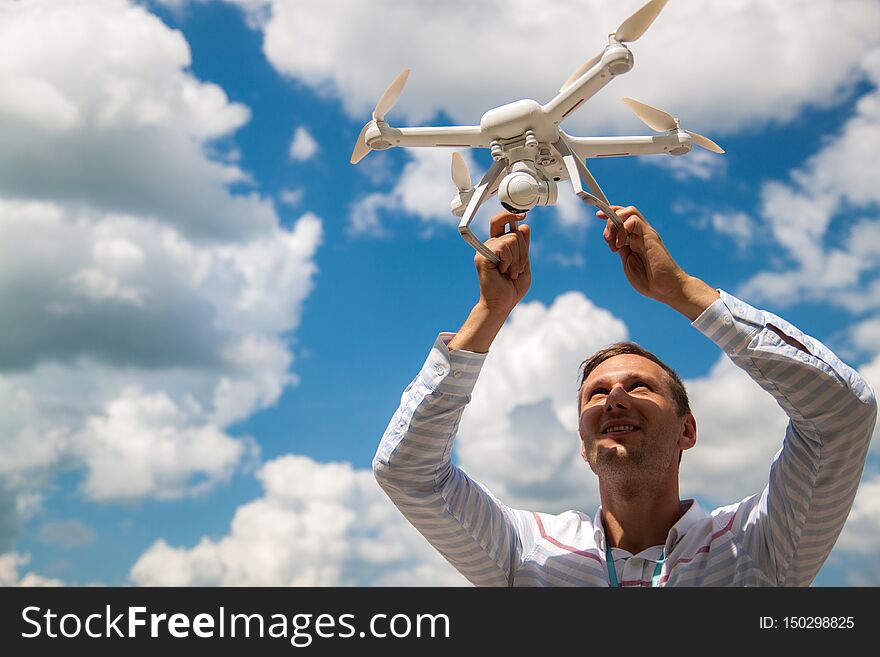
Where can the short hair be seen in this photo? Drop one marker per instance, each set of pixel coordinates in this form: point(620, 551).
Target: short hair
point(679, 393)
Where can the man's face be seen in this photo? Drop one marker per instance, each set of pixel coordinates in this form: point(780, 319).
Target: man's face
point(629, 425)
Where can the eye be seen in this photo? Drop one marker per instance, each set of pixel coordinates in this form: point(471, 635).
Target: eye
point(639, 385)
point(598, 392)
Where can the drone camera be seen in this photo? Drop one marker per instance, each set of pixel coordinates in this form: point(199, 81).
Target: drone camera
point(521, 191)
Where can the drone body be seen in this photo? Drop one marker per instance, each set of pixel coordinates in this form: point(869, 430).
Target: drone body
point(531, 153)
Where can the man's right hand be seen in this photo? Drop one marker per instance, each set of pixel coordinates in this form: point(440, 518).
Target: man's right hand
point(502, 286)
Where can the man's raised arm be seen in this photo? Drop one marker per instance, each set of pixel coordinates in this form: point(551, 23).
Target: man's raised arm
point(480, 536)
point(790, 528)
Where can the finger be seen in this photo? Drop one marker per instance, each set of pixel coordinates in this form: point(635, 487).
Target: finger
point(622, 213)
point(516, 243)
point(525, 233)
point(636, 225)
point(522, 254)
point(610, 235)
point(503, 253)
point(500, 221)
point(601, 213)
point(631, 212)
point(506, 249)
point(627, 211)
point(636, 233)
point(633, 224)
point(621, 236)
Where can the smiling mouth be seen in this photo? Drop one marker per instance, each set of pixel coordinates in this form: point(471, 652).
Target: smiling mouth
point(619, 428)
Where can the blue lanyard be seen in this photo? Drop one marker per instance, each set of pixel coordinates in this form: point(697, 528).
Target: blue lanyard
point(612, 573)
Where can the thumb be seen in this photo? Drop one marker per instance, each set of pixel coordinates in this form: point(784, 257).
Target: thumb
point(526, 232)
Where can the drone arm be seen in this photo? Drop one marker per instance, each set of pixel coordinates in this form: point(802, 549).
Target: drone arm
point(617, 59)
point(481, 193)
point(587, 147)
point(470, 136)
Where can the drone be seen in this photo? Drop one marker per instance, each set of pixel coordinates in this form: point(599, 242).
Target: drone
point(530, 152)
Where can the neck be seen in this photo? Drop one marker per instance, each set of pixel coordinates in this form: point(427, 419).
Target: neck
point(637, 522)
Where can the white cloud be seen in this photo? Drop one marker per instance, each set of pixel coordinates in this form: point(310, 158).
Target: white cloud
point(10, 562)
point(825, 217)
point(571, 211)
point(140, 394)
point(195, 298)
point(66, 534)
point(861, 535)
point(315, 525)
point(424, 190)
point(866, 335)
point(365, 216)
point(721, 66)
point(736, 225)
point(145, 445)
point(98, 107)
point(153, 306)
point(292, 197)
point(699, 164)
point(871, 373)
point(303, 146)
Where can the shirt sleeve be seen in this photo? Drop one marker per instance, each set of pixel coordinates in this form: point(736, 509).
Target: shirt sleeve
point(791, 527)
point(474, 531)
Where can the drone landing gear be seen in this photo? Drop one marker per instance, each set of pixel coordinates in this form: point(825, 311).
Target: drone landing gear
point(481, 193)
point(577, 173)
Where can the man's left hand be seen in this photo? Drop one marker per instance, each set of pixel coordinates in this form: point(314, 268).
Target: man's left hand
point(650, 268)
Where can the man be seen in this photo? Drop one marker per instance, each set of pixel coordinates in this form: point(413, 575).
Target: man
point(634, 424)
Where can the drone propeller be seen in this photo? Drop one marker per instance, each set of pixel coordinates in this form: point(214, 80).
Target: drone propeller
point(360, 146)
point(637, 24)
point(663, 122)
point(630, 30)
point(389, 98)
point(386, 102)
point(460, 174)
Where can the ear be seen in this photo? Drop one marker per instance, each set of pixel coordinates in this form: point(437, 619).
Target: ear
point(688, 436)
point(583, 450)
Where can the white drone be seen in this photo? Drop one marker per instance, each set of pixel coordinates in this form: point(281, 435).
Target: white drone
point(527, 143)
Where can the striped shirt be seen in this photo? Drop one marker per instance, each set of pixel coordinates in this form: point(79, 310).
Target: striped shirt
point(779, 537)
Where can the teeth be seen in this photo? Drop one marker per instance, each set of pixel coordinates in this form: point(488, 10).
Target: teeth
point(620, 427)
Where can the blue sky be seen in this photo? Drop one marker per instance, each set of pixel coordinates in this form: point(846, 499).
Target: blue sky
point(213, 314)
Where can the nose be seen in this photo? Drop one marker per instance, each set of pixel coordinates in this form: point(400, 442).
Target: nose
point(617, 398)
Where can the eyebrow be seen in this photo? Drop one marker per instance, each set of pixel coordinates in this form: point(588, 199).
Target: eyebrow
point(631, 376)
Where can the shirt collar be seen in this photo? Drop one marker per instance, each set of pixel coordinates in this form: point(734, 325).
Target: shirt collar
point(692, 515)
